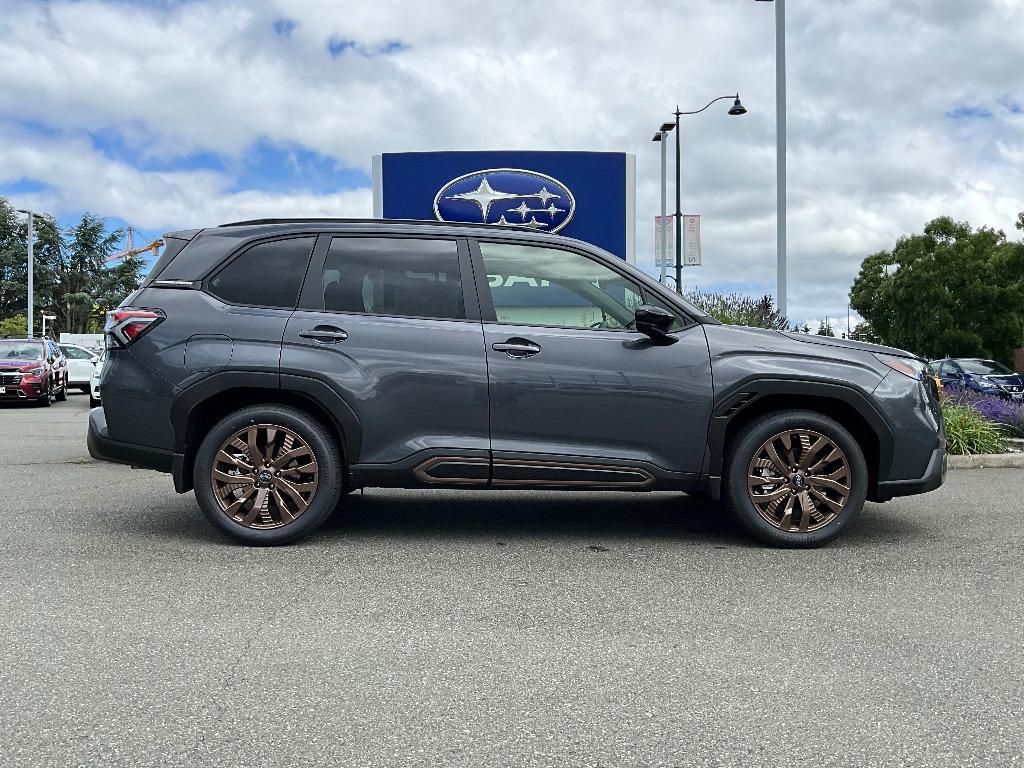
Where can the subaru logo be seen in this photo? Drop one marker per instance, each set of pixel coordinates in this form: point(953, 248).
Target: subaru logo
point(510, 196)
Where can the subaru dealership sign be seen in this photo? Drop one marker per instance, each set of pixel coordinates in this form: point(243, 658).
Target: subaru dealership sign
point(586, 195)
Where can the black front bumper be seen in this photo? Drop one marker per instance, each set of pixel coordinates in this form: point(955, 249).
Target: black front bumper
point(934, 476)
point(104, 448)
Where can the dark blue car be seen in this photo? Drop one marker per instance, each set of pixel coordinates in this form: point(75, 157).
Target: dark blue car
point(987, 377)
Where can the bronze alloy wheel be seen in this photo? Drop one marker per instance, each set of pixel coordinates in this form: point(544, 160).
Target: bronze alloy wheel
point(264, 476)
point(799, 480)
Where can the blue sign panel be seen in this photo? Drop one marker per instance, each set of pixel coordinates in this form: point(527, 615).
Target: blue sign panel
point(586, 195)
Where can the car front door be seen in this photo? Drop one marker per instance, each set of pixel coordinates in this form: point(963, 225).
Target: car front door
point(577, 395)
point(391, 324)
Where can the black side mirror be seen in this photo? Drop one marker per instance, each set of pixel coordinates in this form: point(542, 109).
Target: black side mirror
point(654, 322)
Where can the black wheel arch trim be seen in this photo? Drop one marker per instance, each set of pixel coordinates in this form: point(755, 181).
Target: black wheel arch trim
point(321, 393)
point(741, 396)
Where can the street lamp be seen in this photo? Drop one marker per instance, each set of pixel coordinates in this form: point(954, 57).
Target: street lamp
point(45, 318)
point(736, 109)
point(663, 242)
point(31, 287)
point(780, 153)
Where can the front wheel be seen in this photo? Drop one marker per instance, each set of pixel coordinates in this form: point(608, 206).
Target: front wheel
point(62, 393)
point(268, 474)
point(796, 478)
point(44, 399)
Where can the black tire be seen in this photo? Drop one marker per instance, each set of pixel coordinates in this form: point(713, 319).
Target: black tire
point(44, 399)
point(85, 389)
point(94, 402)
point(748, 444)
point(62, 393)
point(319, 440)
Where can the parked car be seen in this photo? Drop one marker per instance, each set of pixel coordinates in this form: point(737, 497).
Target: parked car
point(989, 377)
point(81, 364)
point(274, 365)
point(32, 369)
point(94, 381)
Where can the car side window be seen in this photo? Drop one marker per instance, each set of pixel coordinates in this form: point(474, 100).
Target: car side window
point(265, 275)
point(403, 276)
point(534, 285)
point(76, 353)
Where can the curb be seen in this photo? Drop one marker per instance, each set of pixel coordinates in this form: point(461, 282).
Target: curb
point(987, 460)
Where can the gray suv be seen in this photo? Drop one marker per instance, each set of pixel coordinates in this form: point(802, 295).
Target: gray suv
point(275, 365)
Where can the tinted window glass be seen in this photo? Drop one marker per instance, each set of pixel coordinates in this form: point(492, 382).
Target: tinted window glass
point(267, 275)
point(393, 276)
point(549, 286)
point(76, 353)
point(985, 368)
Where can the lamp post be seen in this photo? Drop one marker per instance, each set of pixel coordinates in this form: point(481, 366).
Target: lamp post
point(662, 233)
point(45, 318)
point(736, 109)
point(780, 153)
point(31, 270)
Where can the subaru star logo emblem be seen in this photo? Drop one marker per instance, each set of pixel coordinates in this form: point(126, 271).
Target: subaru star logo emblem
point(509, 196)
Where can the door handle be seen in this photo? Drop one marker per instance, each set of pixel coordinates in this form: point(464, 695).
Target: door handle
point(517, 348)
point(325, 334)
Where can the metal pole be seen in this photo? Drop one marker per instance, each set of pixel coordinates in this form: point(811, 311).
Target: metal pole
point(780, 153)
point(662, 229)
point(31, 269)
point(679, 215)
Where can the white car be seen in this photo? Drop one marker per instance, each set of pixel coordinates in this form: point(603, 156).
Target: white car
point(94, 381)
point(81, 364)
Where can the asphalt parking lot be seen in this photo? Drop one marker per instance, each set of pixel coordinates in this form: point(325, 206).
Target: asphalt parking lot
point(497, 629)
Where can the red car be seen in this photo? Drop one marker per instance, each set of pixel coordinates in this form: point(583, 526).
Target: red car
point(32, 369)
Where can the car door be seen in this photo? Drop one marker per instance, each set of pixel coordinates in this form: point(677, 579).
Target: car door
point(573, 388)
point(79, 361)
point(391, 324)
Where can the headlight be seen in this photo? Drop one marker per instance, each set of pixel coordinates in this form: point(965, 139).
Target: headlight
point(908, 366)
point(987, 382)
point(35, 371)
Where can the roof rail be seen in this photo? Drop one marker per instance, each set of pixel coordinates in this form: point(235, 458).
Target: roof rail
point(328, 220)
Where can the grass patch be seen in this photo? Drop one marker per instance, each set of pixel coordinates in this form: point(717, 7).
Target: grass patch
point(968, 432)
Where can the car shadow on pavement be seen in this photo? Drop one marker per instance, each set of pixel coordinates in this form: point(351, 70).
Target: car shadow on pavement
point(531, 513)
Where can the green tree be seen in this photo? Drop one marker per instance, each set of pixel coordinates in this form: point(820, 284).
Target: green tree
point(47, 244)
point(13, 326)
point(825, 328)
point(951, 290)
point(72, 277)
point(863, 331)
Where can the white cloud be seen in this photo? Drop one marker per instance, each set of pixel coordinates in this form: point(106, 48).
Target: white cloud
point(872, 151)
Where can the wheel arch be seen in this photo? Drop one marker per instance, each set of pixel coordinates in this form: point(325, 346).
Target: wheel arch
point(203, 405)
point(846, 405)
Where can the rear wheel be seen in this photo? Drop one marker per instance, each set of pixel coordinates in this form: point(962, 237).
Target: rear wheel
point(94, 402)
point(268, 474)
point(796, 479)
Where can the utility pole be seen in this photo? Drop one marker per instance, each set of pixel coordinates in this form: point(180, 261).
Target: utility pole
point(780, 152)
point(31, 271)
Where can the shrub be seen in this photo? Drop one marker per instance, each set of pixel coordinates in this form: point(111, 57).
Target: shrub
point(1008, 414)
point(967, 431)
point(737, 309)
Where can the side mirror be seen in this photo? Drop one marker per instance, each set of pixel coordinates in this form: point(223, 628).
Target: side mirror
point(654, 322)
point(94, 359)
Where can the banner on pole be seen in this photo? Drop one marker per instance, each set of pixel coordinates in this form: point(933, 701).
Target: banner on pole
point(663, 234)
point(691, 241)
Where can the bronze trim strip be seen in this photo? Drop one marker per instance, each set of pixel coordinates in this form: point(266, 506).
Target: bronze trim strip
point(422, 471)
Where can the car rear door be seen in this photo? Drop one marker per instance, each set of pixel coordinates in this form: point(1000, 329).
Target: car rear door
point(572, 387)
point(391, 325)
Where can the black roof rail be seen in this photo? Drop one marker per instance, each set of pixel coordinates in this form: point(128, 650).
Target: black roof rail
point(329, 220)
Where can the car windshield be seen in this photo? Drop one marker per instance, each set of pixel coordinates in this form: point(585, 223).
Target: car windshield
point(985, 367)
point(21, 350)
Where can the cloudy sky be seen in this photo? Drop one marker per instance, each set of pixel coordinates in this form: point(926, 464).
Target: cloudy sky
point(181, 114)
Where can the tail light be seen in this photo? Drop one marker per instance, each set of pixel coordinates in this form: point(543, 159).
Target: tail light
point(126, 325)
